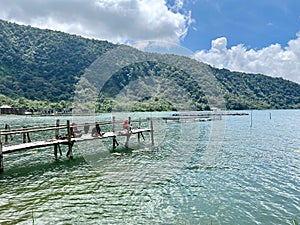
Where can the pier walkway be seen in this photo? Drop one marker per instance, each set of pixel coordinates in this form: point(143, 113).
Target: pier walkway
point(70, 138)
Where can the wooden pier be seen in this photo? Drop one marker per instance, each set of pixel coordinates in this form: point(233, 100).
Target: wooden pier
point(70, 138)
point(184, 119)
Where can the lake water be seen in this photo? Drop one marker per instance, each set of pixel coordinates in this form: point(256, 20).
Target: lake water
point(228, 171)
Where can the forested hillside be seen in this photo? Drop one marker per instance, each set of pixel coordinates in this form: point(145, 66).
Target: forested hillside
point(249, 91)
point(40, 68)
point(42, 64)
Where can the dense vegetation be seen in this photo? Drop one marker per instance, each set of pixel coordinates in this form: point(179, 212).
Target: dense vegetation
point(249, 91)
point(153, 86)
point(40, 69)
point(42, 64)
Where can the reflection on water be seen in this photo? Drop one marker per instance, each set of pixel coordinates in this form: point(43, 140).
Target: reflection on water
point(251, 179)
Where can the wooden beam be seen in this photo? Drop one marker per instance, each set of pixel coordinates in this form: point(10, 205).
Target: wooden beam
point(30, 130)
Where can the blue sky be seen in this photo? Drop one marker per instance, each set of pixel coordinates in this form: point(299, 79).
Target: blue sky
point(254, 23)
point(255, 36)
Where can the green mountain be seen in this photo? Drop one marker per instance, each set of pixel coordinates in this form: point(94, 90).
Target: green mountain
point(257, 91)
point(43, 64)
point(44, 68)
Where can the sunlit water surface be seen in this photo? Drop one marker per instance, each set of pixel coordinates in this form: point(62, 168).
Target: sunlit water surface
point(248, 174)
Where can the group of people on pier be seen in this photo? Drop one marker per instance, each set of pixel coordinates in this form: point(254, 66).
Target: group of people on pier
point(97, 132)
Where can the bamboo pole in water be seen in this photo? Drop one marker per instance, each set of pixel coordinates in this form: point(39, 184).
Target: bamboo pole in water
point(113, 123)
point(139, 134)
point(1, 155)
point(151, 132)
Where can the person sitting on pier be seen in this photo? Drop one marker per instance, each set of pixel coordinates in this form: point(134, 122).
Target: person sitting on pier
point(96, 131)
point(74, 131)
point(126, 126)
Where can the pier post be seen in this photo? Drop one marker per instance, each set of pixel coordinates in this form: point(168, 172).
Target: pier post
point(1, 155)
point(114, 140)
point(139, 134)
point(55, 150)
point(28, 137)
point(7, 128)
point(113, 123)
point(57, 130)
point(56, 134)
point(24, 137)
point(151, 132)
point(70, 144)
point(6, 136)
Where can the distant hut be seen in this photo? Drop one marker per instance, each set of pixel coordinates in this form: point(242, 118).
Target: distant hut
point(6, 109)
point(48, 111)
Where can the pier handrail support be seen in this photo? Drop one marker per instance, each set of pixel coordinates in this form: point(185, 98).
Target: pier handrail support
point(26, 137)
point(56, 135)
point(7, 128)
point(57, 129)
point(70, 143)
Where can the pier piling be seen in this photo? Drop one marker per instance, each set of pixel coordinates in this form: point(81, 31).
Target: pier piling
point(70, 143)
point(7, 127)
point(56, 134)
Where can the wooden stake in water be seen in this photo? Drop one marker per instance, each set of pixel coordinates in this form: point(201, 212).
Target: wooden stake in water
point(251, 119)
point(151, 132)
point(113, 123)
point(1, 155)
point(139, 134)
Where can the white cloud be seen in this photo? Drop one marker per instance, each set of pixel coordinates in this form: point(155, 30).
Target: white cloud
point(273, 60)
point(113, 20)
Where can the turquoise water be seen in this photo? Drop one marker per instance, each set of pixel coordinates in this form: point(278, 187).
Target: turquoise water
point(219, 172)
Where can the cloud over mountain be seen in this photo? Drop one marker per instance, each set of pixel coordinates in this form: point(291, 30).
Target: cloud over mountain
point(113, 20)
point(273, 60)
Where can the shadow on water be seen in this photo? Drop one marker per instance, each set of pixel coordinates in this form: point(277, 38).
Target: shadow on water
point(38, 167)
point(37, 162)
point(137, 148)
